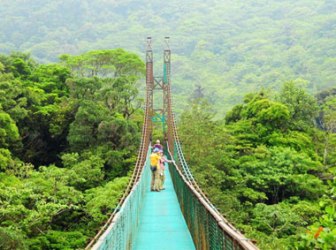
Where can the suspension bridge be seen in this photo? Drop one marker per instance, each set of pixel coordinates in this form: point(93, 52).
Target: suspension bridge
point(181, 216)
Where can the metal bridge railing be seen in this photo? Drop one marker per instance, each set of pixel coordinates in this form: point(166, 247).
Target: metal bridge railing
point(179, 156)
point(208, 228)
point(107, 233)
point(121, 231)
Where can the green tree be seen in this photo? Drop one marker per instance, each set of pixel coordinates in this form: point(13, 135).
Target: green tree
point(329, 124)
point(261, 169)
point(105, 63)
point(8, 132)
point(302, 106)
point(51, 118)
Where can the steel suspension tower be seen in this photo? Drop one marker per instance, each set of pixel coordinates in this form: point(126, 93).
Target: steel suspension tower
point(164, 113)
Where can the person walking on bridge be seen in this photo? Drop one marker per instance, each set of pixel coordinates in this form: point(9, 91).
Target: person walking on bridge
point(155, 168)
point(158, 145)
point(163, 160)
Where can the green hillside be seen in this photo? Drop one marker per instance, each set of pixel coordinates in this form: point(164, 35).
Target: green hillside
point(228, 47)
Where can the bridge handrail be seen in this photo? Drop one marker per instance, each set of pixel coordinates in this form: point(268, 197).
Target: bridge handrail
point(139, 166)
point(186, 170)
point(189, 176)
point(229, 229)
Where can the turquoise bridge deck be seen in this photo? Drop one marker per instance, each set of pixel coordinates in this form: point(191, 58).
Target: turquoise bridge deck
point(153, 220)
point(161, 224)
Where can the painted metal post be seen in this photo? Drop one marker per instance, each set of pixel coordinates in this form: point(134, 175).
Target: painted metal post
point(149, 85)
point(167, 95)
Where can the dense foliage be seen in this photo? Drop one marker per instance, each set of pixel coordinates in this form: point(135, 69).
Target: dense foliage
point(68, 139)
point(267, 166)
point(231, 47)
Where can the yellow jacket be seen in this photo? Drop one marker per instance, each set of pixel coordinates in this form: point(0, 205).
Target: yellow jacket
point(155, 160)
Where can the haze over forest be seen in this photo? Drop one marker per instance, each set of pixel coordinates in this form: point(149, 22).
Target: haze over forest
point(229, 48)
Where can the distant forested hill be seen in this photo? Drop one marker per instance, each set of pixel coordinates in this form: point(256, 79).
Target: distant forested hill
point(228, 47)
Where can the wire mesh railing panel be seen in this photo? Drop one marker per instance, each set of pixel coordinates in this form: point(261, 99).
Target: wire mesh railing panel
point(121, 233)
point(204, 222)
